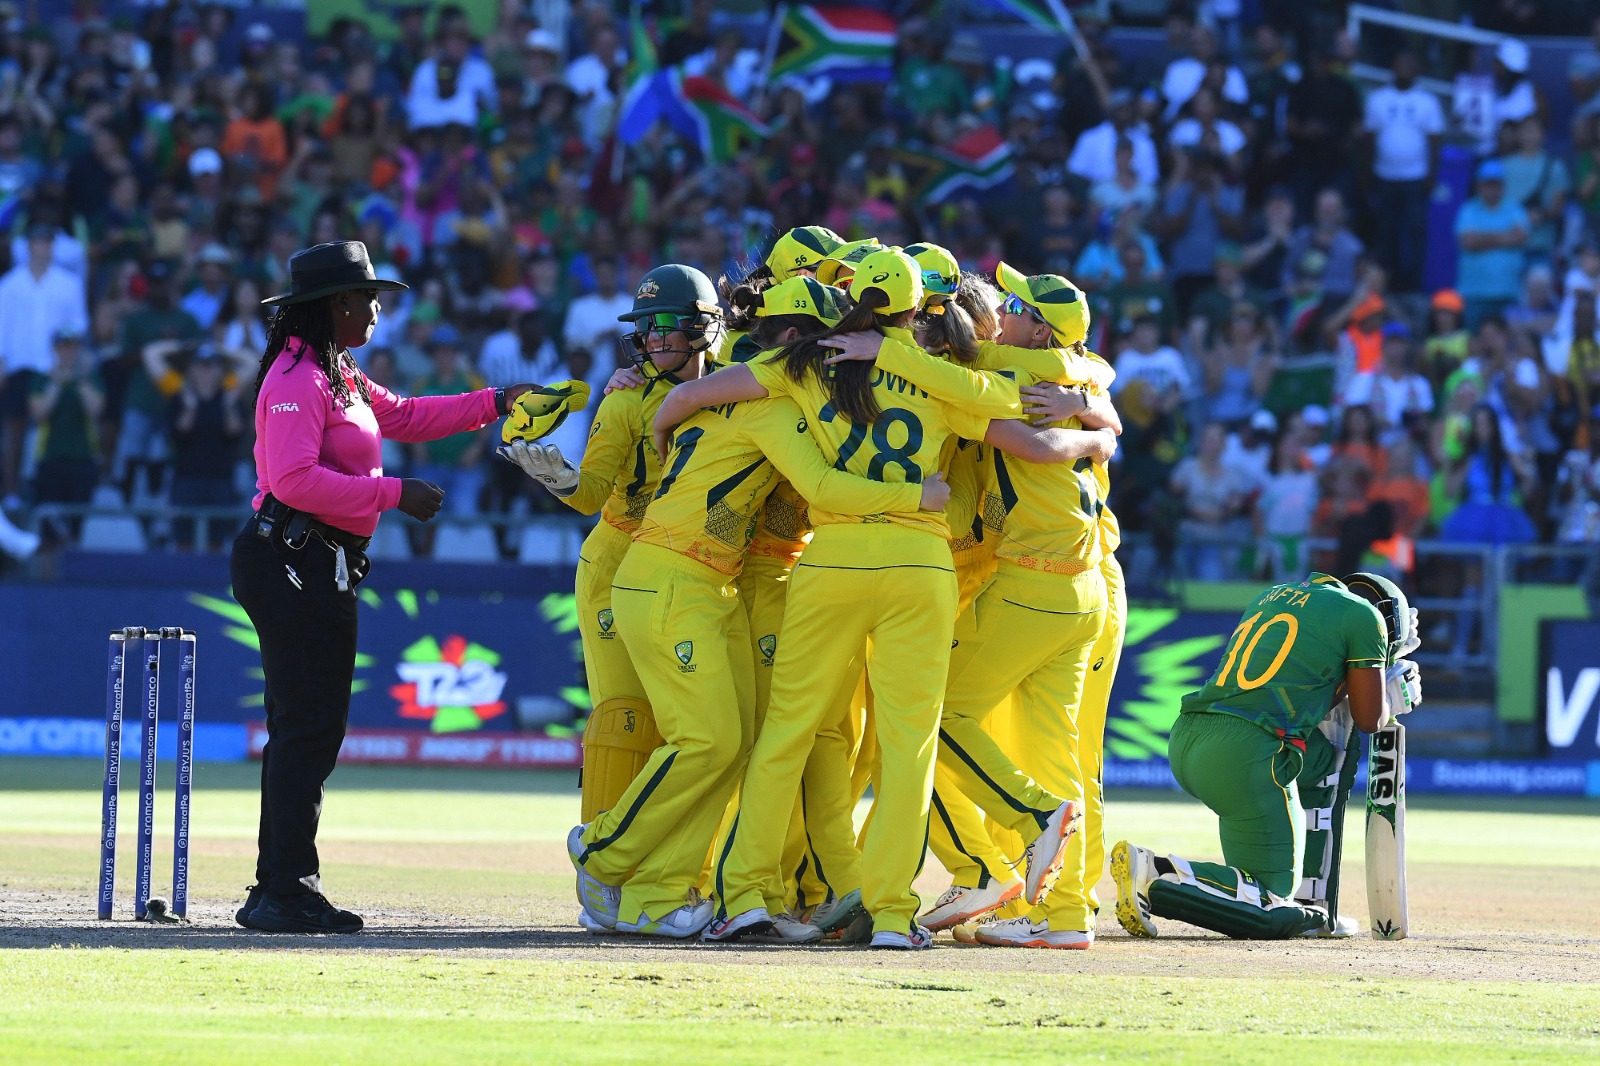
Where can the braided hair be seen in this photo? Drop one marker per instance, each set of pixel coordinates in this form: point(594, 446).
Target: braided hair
point(312, 323)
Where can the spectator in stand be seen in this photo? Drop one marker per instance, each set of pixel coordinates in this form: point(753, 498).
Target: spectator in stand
point(1586, 169)
point(1404, 488)
point(1214, 308)
point(1206, 130)
point(1145, 358)
point(1401, 399)
point(592, 323)
point(1238, 368)
point(1100, 265)
point(64, 406)
point(1492, 232)
point(1265, 252)
point(1283, 512)
point(1487, 483)
point(1094, 155)
point(521, 352)
point(1573, 349)
point(592, 75)
point(38, 300)
point(1185, 75)
point(1324, 117)
point(1215, 501)
point(1535, 311)
point(254, 143)
point(1200, 210)
point(1123, 191)
point(1250, 446)
point(693, 37)
point(205, 301)
point(1538, 181)
point(452, 86)
point(158, 321)
point(1060, 235)
point(1310, 425)
point(1357, 441)
point(1404, 123)
point(1514, 95)
point(454, 463)
point(1329, 235)
point(1135, 295)
point(207, 424)
point(1446, 346)
point(1583, 72)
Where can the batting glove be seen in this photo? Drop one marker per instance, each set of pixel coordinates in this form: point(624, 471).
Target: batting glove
point(1404, 687)
point(1414, 641)
point(543, 463)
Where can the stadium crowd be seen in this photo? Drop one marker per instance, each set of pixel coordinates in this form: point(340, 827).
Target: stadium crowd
point(1251, 223)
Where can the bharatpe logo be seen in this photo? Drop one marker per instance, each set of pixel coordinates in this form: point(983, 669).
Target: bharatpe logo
point(685, 652)
point(769, 647)
point(606, 620)
point(453, 685)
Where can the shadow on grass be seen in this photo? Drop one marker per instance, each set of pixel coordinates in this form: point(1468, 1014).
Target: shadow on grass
point(68, 775)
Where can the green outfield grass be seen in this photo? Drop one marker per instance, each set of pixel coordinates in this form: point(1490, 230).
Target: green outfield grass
point(471, 957)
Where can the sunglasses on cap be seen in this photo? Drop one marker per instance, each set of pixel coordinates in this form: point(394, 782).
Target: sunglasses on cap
point(1013, 305)
point(937, 283)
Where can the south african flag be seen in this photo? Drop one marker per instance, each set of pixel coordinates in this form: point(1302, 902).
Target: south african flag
point(847, 44)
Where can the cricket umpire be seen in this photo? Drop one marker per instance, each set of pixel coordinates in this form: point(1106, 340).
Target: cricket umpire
point(320, 425)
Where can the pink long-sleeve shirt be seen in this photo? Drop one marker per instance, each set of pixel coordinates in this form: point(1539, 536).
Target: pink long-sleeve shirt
point(319, 457)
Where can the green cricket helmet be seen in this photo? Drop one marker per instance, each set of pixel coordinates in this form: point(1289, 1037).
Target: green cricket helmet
point(674, 298)
point(941, 274)
point(1398, 618)
point(802, 248)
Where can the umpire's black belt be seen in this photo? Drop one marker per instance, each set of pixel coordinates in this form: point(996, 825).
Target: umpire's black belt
point(274, 515)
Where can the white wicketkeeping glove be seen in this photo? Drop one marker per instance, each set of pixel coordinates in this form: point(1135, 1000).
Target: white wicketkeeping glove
point(543, 463)
point(1415, 641)
point(1404, 687)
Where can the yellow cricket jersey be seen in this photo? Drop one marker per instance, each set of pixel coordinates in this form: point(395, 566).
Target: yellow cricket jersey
point(1051, 511)
point(907, 442)
point(620, 466)
point(785, 525)
point(1110, 528)
point(724, 463)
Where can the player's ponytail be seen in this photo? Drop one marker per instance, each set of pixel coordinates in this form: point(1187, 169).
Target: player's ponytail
point(743, 298)
point(849, 384)
point(951, 332)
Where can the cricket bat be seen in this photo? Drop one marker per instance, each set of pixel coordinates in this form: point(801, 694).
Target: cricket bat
point(1386, 833)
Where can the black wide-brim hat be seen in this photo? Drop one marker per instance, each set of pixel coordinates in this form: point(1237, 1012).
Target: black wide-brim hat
point(324, 269)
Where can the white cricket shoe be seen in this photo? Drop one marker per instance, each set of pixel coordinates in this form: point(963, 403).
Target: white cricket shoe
point(1044, 855)
point(786, 929)
point(916, 939)
point(960, 904)
point(753, 922)
point(836, 914)
point(589, 925)
point(1026, 933)
point(1133, 868)
point(599, 900)
point(680, 924)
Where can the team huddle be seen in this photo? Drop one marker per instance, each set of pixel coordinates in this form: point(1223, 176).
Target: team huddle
point(854, 535)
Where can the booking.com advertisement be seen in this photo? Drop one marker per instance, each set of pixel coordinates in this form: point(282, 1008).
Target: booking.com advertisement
point(449, 676)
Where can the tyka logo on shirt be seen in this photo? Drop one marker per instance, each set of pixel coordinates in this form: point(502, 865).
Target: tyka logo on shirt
point(284, 408)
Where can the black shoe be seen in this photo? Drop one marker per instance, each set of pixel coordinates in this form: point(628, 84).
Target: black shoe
point(251, 902)
point(306, 912)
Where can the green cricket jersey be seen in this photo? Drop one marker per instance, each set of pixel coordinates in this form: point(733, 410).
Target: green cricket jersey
point(1289, 653)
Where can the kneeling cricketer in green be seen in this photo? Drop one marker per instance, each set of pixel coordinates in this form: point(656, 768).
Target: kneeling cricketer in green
point(1264, 745)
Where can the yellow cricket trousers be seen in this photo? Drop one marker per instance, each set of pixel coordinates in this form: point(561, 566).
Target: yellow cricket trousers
point(686, 630)
point(877, 594)
point(1032, 634)
point(621, 732)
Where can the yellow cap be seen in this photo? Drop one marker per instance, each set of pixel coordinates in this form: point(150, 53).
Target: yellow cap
point(843, 260)
point(541, 410)
point(1059, 302)
point(803, 296)
point(802, 248)
point(894, 272)
point(941, 274)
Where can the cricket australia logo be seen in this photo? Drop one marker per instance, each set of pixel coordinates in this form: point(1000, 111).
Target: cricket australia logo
point(685, 653)
point(648, 290)
point(769, 647)
point(606, 621)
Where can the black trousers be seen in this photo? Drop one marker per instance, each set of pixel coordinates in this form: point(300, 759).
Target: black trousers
point(307, 630)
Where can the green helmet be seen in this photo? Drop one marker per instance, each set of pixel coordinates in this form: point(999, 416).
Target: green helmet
point(1386, 596)
point(672, 298)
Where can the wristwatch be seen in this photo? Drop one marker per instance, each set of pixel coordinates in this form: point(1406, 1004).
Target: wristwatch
point(500, 402)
